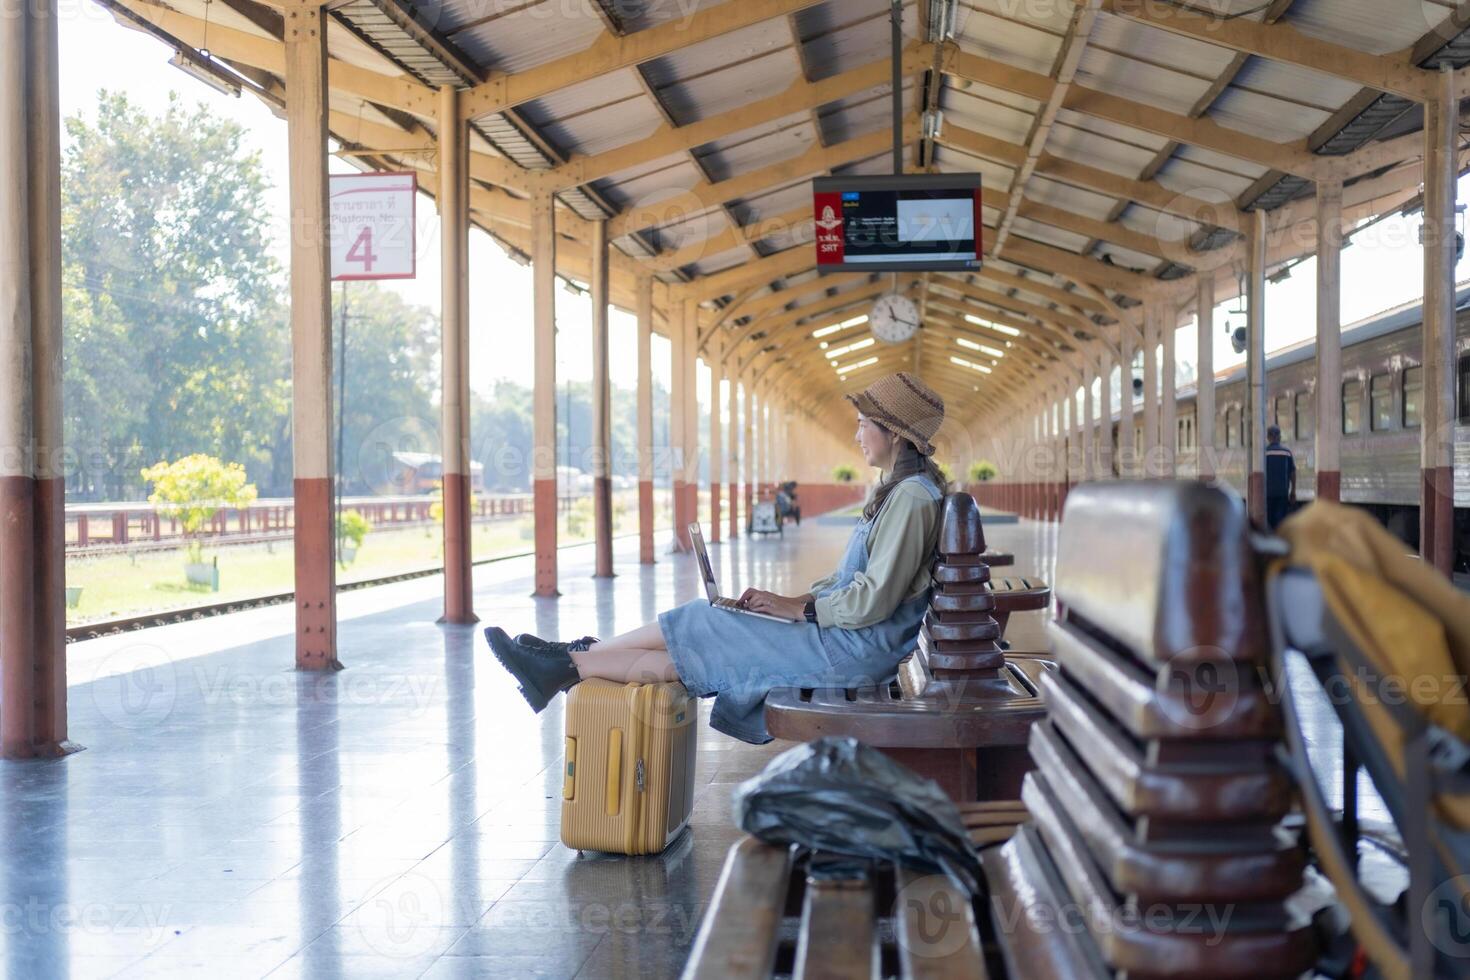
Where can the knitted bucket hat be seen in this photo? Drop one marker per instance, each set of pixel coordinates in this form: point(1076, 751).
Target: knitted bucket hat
point(903, 404)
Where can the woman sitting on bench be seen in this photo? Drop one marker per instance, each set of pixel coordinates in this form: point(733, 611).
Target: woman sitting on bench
point(851, 629)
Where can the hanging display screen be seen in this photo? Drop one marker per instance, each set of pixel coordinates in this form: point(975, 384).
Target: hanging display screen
point(911, 222)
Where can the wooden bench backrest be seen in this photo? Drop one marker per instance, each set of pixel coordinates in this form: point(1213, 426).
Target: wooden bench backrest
point(960, 530)
point(1165, 569)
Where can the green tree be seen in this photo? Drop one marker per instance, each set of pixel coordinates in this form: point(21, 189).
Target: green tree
point(191, 490)
point(175, 328)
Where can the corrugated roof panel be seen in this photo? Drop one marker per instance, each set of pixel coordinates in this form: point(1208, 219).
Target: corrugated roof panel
point(693, 229)
point(881, 164)
point(727, 259)
point(1049, 235)
point(996, 178)
point(1104, 129)
point(1375, 26)
point(1131, 79)
point(721, 52)
point(998, 121)
point(1127, 258)
point(650, 175)
point(1095, 151)
point(710, 93)
point(1150, 45)
point(513, 41)
point(1277, 120)
point(1187, 177)
point(961, 90)
point(1301, 84)
point(1050, 17)
point(1059, 195)
point(596, 115)
point(844, 120)
point(1008, 41)
point(779, 201)
point(640, 15)
point(791, 236)
point(839, 36)
point(727, 158)
point(1219, 161)
point(662, 178)
point(1165, 227)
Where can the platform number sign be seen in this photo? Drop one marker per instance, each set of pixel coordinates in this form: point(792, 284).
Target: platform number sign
point(372, 225)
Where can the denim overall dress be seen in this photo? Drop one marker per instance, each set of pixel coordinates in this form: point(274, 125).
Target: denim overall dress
point(740, 659)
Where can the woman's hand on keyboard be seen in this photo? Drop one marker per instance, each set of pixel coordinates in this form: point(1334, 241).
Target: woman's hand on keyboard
point(787, 607)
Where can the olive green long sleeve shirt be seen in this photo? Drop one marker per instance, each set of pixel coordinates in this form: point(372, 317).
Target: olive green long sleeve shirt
point(900, 548)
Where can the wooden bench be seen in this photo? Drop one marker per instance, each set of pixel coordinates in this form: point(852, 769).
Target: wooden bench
point(1158, 841)
point(961, 708)
point(1158, 795)
point(778, 911)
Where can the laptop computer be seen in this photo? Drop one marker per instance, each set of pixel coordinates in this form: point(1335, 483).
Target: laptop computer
point(696, 536)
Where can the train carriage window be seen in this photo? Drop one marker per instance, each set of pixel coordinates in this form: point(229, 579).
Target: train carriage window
point(1380, 402)
point(1413, 396)
point(1284, 420)
point(1352, 407)
point(1305, 425)
point(1465, 388)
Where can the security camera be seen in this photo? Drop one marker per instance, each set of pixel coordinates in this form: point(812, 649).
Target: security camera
point(1237, 339)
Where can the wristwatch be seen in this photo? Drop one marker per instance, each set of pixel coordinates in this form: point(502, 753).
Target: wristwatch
point(811, 610)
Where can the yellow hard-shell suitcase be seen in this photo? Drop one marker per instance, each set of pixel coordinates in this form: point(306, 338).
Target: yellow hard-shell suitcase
point(628, 775)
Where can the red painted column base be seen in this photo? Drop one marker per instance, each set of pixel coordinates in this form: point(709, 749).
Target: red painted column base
point(714, 512)
point(1437, 518)
point(681, 516)
point(543, 503)
point(1256, 498)
point(459, 606)
point(645, 522)
point(316, 576)
point(602, 528)
point(1329, 485)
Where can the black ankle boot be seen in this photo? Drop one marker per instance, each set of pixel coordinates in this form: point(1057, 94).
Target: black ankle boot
point(535, 644)
point(542, 674)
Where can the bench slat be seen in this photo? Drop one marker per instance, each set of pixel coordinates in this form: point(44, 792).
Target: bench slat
point(837, 935)
point(738, 937)
point(936, 931)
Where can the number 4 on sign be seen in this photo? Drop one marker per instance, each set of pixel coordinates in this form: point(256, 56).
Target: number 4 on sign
point(362, 249)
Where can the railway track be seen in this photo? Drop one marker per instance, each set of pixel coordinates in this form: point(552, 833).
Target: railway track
point(185, 614)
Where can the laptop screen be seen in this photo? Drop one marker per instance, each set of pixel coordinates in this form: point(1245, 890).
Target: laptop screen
point(697, 537)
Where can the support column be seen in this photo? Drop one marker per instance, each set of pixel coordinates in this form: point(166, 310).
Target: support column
point(454, 240)
point(602, 522)
point(691, 419)
point(750, 452)
point(311, 338)
point(1328, 392)
point(1152, 455)
point(732, 457)
point(1437, 432)
point(1168, 403)
point(716, 448)
point(32, 512)
point(1204, 401)
point(1105, 427)
point(1089, 421)
point(1255, 354)
point(645, 420)
point(543, 421)
point(1126, 454)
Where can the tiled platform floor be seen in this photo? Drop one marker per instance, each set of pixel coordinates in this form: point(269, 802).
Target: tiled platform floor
point(233, 818)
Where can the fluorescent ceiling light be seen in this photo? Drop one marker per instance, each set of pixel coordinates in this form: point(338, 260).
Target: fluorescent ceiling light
point(837, 352)
point(1008, 331)
point(828, 331)
point(982, 348)
point(849, 368)
point(970, 364)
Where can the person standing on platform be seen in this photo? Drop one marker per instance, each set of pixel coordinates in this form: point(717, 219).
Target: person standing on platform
point(1280, 478)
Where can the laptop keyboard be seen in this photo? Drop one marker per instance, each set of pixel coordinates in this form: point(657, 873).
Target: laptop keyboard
point(728, 603)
